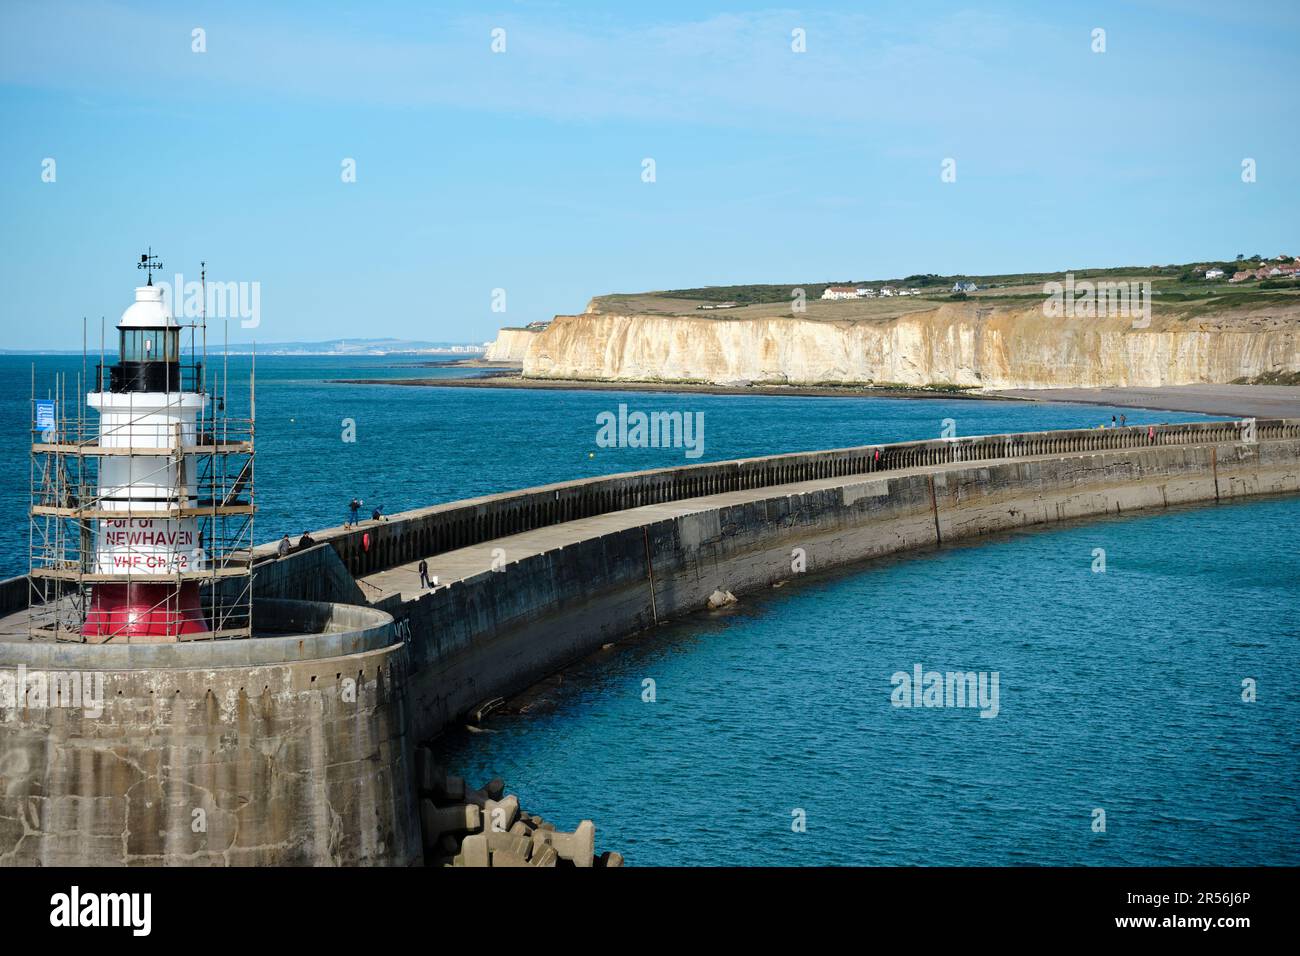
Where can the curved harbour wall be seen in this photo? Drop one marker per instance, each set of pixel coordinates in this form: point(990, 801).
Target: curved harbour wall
point(296, 749)
point(493, 633)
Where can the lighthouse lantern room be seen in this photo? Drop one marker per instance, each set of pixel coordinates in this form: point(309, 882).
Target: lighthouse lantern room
point(142, 512)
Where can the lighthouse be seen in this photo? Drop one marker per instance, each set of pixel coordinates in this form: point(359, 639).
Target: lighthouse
point(142, 498)
point(148, 553)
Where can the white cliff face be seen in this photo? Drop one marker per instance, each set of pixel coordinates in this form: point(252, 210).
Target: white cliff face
point(959, 344)
point(510, 345)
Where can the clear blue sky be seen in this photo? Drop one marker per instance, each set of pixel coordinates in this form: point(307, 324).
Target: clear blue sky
point(522, 170)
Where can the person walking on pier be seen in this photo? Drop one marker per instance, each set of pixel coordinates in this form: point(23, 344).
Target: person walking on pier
point(285, 546)
point(306, 541)
point(424, 574)
point(354, 506)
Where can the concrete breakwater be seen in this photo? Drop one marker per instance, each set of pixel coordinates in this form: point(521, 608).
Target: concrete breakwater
point(515, 608)
point(529, 582)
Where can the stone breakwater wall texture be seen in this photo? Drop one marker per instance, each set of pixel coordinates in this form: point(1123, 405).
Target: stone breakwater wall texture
point(273, 751)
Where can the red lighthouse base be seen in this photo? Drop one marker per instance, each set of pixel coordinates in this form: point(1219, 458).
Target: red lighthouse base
point(143, 613)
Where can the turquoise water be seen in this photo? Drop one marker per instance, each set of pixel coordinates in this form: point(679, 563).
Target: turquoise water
point(419, 446)
point(1119, 691)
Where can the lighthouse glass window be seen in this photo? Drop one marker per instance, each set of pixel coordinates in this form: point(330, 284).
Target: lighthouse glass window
point(150, 345)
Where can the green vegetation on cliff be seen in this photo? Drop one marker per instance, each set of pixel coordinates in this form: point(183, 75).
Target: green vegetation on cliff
point(1179, 285)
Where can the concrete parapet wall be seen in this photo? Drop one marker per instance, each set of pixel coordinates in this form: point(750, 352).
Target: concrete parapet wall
point(306, 631)
point(316, 574)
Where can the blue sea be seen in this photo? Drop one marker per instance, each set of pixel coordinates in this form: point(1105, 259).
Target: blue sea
point(1119, 691)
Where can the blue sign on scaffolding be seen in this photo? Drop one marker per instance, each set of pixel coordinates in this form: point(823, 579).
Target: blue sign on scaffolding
point(44, 415)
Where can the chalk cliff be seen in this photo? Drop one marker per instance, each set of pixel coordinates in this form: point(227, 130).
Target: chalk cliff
point(958, 343)
point(510, 345)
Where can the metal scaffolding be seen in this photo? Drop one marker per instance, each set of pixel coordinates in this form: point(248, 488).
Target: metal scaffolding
point(211, 482)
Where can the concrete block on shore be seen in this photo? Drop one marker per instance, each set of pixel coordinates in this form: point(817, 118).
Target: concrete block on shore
point(437, 821)
point(501, 814)
point(509, 843)
point(611, 858)
point(578, 847)
point(494, 788)
point(474, 851)
point(540, 838)
point(545, 856)
point(504, 858)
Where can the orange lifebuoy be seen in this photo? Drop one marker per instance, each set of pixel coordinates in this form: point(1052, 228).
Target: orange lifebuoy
point(365, 541)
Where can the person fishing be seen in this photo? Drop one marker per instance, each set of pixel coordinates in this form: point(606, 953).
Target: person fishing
point(424, 573)
point(354, 506)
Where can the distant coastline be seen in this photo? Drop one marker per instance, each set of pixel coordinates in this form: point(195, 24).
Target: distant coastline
point(509, 378)
point(1257, 401)
point(451, 351)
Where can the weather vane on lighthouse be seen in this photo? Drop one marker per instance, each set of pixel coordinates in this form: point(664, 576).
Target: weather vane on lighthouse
point(149, 262)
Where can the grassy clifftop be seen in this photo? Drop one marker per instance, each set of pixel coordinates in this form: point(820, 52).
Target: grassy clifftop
point(1178, 292)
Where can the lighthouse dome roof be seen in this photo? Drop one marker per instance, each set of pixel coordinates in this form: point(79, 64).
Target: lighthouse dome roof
point(148, 311)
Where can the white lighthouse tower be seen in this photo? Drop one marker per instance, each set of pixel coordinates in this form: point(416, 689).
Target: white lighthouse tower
point(142, 510)
point(148, 549)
